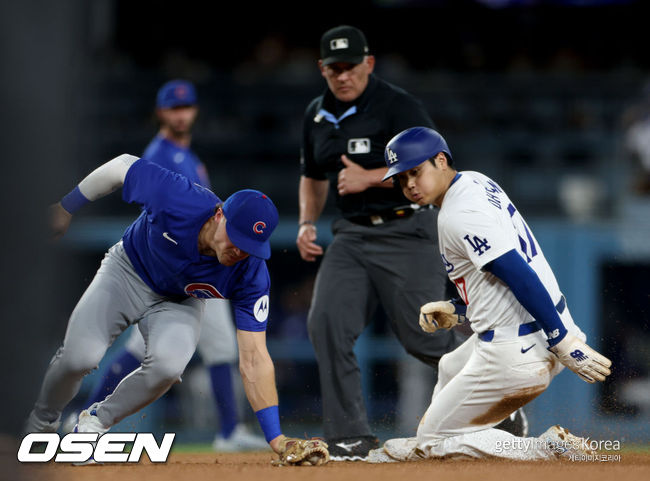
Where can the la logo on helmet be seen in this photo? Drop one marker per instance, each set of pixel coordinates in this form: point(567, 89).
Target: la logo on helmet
point(259, 227)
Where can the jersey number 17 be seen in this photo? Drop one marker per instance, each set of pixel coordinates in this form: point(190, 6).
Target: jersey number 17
point(526, 240)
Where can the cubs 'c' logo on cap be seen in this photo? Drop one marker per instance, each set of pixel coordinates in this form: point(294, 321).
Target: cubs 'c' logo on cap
point(201, 290)
point(261, 309)
point(392, 156)
point(180, 91)
point(259, 227)
point(339, 43)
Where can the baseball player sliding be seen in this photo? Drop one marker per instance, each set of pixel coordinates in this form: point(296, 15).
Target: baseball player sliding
point(523, 331)
point(186, 246)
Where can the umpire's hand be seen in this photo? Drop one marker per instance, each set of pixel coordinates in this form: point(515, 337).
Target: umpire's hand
point(59, 219)
point(309, 250)
point(352, 178)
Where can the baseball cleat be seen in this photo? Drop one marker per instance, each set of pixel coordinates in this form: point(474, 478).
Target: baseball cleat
point(351, 449)
point(240, 440)
point(403, 449)
point(563, 444)
point(378, 456)
point(89, 423)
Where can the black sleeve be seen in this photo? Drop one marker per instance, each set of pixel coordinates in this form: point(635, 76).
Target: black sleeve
point(409, 112)
point(308, 166)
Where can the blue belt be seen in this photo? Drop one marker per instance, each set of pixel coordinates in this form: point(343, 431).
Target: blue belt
point(525, 329)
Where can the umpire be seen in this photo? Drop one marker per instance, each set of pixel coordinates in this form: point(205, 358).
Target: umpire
point(384, 251)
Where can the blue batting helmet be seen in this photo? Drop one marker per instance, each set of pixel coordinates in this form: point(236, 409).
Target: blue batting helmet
point(411, 147)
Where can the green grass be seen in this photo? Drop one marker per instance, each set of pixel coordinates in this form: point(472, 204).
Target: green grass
point(192, 448)
point(635, 448)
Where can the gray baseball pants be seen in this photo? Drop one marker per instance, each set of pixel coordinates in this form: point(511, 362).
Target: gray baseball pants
point(116, 299)
point(396, 264)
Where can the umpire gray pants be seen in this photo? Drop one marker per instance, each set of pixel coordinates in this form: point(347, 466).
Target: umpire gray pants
point(396, 264)
point(115, 299)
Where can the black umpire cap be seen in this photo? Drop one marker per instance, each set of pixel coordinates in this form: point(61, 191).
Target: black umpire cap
point(343, 44)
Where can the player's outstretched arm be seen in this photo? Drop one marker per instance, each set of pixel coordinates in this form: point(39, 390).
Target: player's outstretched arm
point(524, 283)
point(258, 376)
point(99, 183)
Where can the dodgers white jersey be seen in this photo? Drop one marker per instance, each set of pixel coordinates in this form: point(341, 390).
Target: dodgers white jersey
point(478, 223)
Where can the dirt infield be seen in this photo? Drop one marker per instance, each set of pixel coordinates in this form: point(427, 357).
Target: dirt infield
point(256, 466)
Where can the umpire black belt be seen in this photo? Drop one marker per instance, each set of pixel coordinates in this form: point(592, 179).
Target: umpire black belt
point(384, 216)
point(524, 329)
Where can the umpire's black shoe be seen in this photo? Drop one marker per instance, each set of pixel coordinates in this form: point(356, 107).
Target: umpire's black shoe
point(351, 449)
point(516, 424)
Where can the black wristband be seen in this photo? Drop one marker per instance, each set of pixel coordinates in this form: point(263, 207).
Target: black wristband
point(306, 222)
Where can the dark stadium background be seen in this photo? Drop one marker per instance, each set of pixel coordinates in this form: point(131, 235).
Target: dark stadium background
point(533, 93)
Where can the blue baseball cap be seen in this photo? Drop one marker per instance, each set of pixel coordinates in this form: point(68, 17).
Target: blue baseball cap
point(251, 218)
point(176, 93)
point(411, 147)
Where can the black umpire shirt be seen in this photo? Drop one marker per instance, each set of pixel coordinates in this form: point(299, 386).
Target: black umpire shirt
point(360, 129)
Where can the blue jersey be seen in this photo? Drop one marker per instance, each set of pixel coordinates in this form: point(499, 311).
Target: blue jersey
point(162, 245)
point(177, 159)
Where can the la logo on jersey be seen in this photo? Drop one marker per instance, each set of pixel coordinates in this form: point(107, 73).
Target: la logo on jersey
point(202, 290)
point(259, 227)
point(261, 309)
point(479, 246)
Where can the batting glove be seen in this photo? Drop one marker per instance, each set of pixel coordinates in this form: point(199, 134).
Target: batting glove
point(441, 314)
point(581, 359)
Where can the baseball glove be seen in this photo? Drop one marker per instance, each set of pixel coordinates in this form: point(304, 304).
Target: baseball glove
point(302, 452)
point(441, 314)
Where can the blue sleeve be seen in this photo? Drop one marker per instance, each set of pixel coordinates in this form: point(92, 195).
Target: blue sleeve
point(524, 283)
point(149, 184)
point(251, 301)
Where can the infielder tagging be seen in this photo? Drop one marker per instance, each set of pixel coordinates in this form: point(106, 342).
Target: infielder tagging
point(176, 110)
point(523, 331)
point(184, 248)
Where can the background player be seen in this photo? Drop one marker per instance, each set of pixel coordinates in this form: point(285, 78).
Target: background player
point(523, 331)
point(176, 110)
point(383, 249)
point(184, 248)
